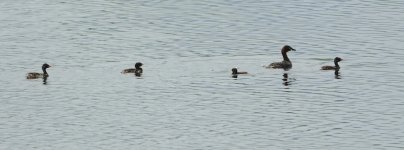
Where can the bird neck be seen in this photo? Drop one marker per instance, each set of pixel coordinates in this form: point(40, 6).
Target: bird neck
point(336, 64)
point(285, 56)
point(44, 71)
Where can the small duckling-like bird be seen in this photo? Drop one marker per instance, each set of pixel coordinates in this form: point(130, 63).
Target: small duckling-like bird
point(336, 67)
point(35, 75)
point(136, 70)
point(286, 63)
point(235, 72)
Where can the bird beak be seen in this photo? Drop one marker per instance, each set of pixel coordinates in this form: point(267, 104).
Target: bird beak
point(293, 49)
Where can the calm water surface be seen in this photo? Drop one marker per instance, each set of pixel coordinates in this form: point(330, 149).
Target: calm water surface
point(186, 98)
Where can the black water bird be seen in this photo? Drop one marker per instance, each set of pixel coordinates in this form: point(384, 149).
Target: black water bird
point(137, 70)
point(235, 71)
point(286, 63)
point(336, 67)
point(35, 75)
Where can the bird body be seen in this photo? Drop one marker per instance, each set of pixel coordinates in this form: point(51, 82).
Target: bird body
point(132, 70)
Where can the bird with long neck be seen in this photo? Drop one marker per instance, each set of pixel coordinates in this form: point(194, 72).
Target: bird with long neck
point(286, 63)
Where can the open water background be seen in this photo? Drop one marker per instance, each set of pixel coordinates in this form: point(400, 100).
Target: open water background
point(186, 98)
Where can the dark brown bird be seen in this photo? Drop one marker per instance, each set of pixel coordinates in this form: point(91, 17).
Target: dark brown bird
point(235, 72)
point(336, 67)
point(286, 63)
point(136, 70)
point(35, 75)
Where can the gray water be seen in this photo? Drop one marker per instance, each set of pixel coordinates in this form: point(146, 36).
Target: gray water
point(186, 98)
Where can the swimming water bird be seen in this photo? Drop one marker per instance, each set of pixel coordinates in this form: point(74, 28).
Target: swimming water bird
point(136, 70)
point(286, 63)
point(35, 75)
point(336, 67)
point(235, 72)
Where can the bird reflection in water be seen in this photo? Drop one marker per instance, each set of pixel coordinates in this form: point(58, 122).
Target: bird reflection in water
point(287, 80)
point(44, 79)
point(337, 75)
